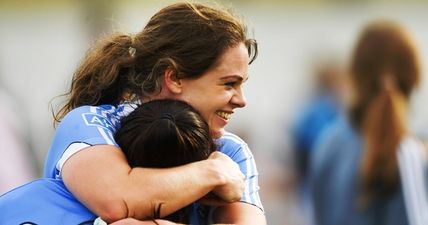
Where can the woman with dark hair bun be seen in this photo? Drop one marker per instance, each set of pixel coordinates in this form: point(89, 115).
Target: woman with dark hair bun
point(165, 133)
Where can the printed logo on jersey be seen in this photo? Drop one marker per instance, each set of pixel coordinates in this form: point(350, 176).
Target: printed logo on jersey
point(92, 119)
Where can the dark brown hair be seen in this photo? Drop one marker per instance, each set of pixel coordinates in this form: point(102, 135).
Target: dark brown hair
point(385, 70)
point(185, 37)
point(165, 133)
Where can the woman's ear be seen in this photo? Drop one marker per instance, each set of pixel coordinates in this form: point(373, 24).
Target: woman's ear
point(171, 81)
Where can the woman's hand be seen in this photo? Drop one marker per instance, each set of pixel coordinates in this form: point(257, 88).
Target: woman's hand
point(233, 185)
point(132, 221)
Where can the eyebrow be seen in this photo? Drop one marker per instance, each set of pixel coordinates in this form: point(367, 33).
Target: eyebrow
point(235, 76)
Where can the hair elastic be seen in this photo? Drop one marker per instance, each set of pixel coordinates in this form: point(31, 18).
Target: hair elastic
point(168, 116)
point(132, 51)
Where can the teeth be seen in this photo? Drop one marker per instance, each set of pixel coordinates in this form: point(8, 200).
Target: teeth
point(224, 115)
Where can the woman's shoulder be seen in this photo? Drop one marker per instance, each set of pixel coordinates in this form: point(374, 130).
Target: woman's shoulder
point(98, 109)
point(339, 140)
point(233, 146)
point(87, 109)
point(101, 115)
point(88, 115)
point(413, 147)
point(339, 131)
point(231, 139)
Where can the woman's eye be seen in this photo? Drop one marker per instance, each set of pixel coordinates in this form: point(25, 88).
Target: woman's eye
point(231, 84)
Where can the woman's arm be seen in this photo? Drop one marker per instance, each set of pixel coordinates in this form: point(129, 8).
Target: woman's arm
point(100, 177)
point(239, 213)
point(132, 221)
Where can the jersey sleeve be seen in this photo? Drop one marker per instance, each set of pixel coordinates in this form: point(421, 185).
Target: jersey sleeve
point(85, 126)
point(412, 165)
point(239, 152)
point(43, 201)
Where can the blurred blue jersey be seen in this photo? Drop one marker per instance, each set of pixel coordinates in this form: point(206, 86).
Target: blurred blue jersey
point(43, 201)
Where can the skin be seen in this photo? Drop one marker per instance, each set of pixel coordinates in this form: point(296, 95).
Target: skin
point(236, 215)
point(218, 92)
point(124, 191)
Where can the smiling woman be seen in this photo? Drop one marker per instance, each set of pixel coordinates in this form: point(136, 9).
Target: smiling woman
point(163, 61)
point(218, 92)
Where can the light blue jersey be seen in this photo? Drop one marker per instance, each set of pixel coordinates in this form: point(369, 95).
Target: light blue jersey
point(88, 125)
point(96, 125)
point(336, 186)
point(239, 152)
point(43, 201)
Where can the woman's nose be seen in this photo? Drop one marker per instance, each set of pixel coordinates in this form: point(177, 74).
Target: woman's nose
point(239, 99)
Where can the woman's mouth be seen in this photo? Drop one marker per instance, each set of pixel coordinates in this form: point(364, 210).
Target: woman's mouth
point(224, 115)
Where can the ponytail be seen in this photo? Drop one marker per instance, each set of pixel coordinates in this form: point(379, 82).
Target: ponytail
point(383, 126)
point(103, 76)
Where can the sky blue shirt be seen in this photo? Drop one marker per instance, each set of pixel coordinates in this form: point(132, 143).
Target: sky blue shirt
point(334, 180)
point(43, 201)
point(96, 125)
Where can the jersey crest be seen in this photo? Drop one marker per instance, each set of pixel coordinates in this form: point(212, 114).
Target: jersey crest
point(92, 119)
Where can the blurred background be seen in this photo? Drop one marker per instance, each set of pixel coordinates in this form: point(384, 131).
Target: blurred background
point(304, 48)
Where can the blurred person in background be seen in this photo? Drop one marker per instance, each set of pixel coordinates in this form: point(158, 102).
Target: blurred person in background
point(17, 164)
point(355, 176)
point(322, 110)
point(191, 52)
point(325, 107)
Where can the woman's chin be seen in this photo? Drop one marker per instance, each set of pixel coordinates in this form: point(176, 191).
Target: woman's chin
point(217, 133)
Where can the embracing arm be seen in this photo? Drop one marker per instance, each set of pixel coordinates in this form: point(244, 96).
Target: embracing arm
point(239, 213)
point(101, 178)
